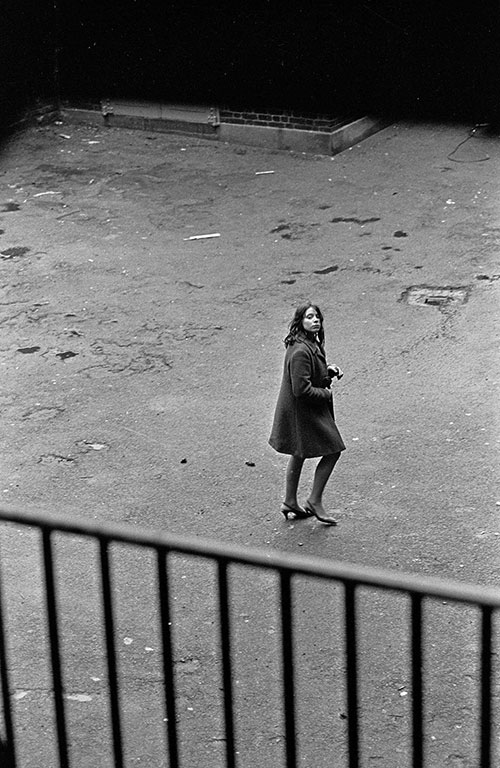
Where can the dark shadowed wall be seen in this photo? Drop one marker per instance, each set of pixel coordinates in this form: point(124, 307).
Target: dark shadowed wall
point(425, 59)
point(27, 57)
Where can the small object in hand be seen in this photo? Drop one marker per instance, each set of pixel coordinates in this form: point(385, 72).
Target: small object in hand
point(335, 372)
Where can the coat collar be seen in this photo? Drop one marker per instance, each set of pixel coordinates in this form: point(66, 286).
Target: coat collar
point(315, 348)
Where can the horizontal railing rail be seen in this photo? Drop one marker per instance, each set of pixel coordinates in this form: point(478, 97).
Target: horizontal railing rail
point(293, 563)
point(287, 566)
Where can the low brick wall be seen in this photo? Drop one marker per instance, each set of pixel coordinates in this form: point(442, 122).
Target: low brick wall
point(284, 119)
point(287, 130)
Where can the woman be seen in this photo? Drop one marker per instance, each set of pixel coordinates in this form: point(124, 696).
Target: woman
point(304, 423)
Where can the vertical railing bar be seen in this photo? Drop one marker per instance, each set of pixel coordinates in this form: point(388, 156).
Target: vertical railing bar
point(352, 674)
point(486, 649)
point(109, 629)
point(55, 654)
point(227, 680)
point(417, 688)
point(8, 722)
point(288, 669)
point(168, 659)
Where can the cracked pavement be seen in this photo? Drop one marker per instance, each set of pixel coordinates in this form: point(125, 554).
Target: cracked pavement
point(140, 372)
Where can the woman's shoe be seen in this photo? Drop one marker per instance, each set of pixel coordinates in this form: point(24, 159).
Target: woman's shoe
point(297, 512)
point(311, 510)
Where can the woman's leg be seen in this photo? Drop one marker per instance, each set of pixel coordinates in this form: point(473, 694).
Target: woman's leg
point(293, 471)
point(321, 477)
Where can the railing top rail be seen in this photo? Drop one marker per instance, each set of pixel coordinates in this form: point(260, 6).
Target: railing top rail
point(295, 563)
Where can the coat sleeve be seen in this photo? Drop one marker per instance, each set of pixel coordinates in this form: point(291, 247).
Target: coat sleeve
point(300, 377)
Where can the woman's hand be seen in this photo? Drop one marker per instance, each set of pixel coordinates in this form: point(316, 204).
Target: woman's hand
point(335, 372)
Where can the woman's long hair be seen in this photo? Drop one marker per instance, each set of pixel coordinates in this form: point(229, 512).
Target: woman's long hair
point(297, 328)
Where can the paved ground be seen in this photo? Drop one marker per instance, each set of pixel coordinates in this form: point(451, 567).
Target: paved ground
point(140, 375)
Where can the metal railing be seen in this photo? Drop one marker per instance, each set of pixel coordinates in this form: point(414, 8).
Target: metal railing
point(287, 567)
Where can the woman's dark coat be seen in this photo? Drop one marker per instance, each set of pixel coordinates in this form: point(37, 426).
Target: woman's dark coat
point(304, 422)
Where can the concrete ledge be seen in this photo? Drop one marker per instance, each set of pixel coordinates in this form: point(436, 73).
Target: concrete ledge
point(179, 113)
point(348, 135)
point(137, 122)
point(267, 137)
point(82, 116)
point(294, 139)
point(291, 139)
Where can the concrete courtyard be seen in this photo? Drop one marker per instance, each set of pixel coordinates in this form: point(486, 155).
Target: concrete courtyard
point(140, 372)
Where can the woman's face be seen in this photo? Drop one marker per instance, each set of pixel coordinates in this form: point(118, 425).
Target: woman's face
point(311, 321)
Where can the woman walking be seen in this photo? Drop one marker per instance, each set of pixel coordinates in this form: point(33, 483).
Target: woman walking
point(304, 422)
